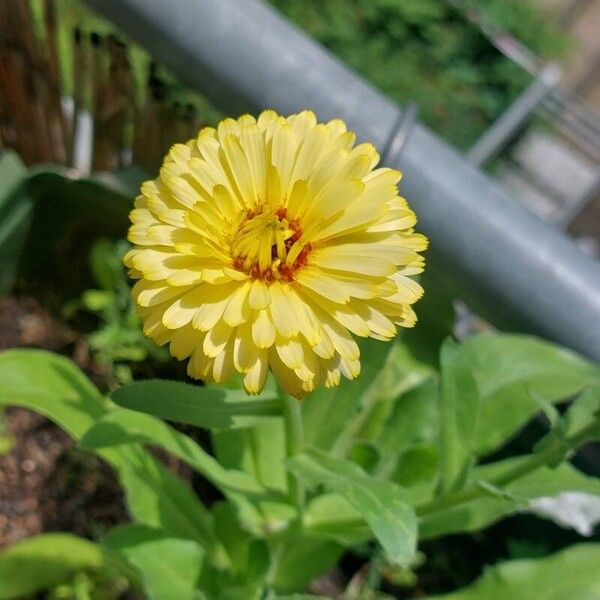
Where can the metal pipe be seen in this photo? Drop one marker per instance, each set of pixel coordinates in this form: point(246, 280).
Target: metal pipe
point(491, 143)
point(512, 268)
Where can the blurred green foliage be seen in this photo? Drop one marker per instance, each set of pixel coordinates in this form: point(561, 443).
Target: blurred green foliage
point(426, 51)
point(118, 338)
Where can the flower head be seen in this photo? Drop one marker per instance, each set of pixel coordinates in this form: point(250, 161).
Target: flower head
point(269, 243)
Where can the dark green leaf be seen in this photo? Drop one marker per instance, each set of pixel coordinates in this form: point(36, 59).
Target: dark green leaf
point(202, 406)
point(69, 214)
point(416, 464)
point(303, 559)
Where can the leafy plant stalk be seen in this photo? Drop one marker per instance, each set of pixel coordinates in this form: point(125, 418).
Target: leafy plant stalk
point(530, 464)
point(294, 436)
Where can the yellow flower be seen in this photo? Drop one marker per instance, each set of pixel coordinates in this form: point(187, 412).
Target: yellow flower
point(269, 242)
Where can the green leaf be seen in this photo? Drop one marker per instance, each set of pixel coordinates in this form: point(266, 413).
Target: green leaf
point(54, 386)
point(436, 316)
point(571, 573)
point(400, 373)
point(459, 416)
point(483, 511)
point(125, 427)
point(304, 558)
point(207, 407)
point(51, 385)
point(326, 411)
point(332, 517)
point(69, 213)
point(414, 419)
point(44, 561)
point(169, 566)
point(106, 265)
point(511, 371)
point(416, 464)
point(15, 217)
point(299, 597)
point(380, 503)
point(584, 411)
point(259, 451)
point(158, 498)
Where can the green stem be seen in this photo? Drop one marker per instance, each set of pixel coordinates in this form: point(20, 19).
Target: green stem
point(294, 438)
point(528, 465)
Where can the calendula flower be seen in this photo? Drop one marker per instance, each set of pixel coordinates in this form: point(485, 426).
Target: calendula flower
point(268, 244)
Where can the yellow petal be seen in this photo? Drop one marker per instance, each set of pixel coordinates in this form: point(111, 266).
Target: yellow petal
point(263, 330)
point(260, 296)
point(256, 376)
point(282, 309)
point(238, 309)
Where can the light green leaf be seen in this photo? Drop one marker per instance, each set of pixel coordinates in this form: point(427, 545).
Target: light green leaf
point(54, 386)
point(44, 561)
point(212, 408)
point(332, 517)
point(158, 498)
point(571, 573)
point(260, 452)
point(459, 416)
point(169, 566)
point(584, 411)
point(483, 511)
point(511, 371)
point(380, 503)
point(51, 385)
point(125, 426)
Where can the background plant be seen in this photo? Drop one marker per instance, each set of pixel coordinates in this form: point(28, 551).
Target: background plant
point(117, 339)
point(396, 456)
point(425, 49)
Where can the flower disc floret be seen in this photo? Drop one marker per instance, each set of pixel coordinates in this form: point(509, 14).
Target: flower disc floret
point(268, 244)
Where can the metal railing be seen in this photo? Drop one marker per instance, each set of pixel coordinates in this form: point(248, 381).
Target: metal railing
point(508, 265)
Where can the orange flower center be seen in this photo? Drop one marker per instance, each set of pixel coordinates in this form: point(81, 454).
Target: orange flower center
point(267, 245)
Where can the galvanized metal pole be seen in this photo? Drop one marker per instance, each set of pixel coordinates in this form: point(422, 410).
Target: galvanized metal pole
point(491, 143)
point(504, 262)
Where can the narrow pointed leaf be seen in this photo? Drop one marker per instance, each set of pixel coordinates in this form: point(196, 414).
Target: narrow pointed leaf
point(380, 503)
point(207, 407)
